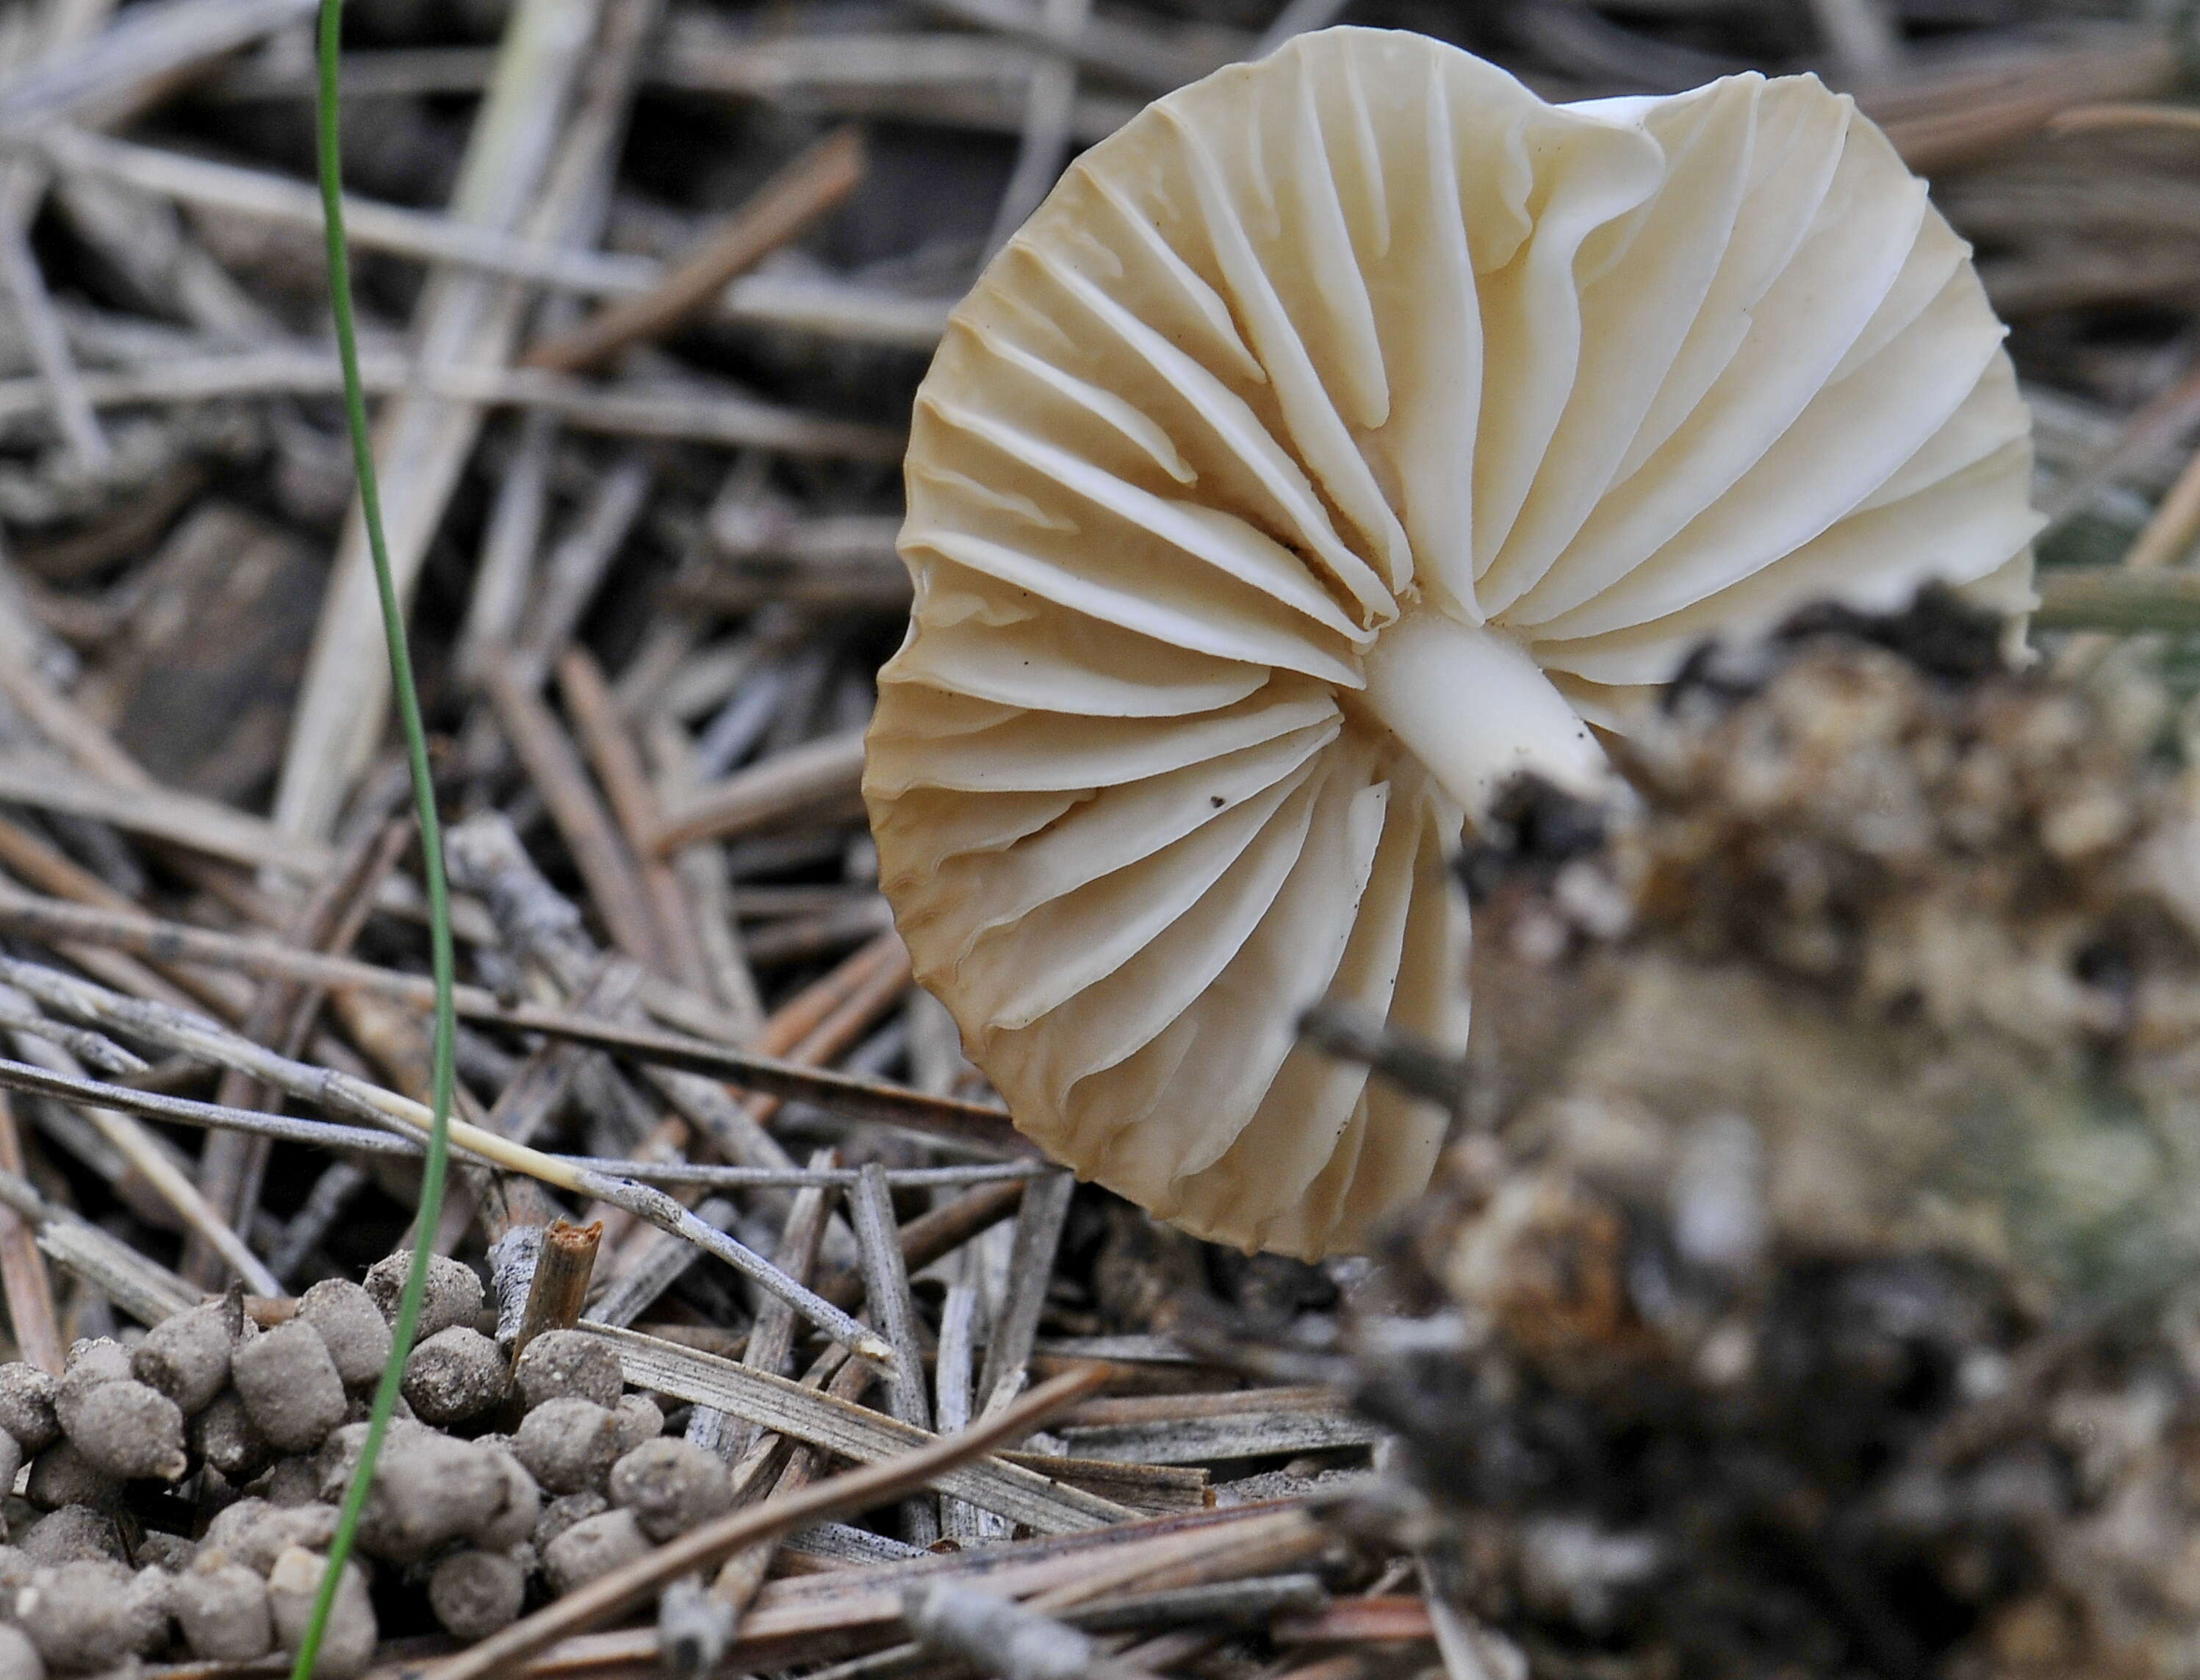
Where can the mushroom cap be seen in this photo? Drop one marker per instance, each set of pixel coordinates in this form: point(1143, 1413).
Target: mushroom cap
point(1351, 429)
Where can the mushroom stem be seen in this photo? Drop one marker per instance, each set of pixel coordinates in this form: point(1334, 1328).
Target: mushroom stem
point(1472, 705)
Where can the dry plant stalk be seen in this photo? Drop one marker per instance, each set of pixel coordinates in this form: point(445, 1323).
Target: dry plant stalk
point(560, 1288)
point(464, 320)
point(806, 190)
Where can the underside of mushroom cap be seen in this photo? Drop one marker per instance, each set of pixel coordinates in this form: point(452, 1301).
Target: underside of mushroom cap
point(1349, 430)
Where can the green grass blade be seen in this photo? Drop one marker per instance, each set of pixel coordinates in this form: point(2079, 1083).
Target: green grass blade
point(431, 845)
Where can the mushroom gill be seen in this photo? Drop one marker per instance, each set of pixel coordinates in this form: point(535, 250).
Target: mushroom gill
point(1350, 431)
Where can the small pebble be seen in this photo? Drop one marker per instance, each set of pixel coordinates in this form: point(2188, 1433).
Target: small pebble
point(186, 1357)
point(62, 1475)
point(353, 1328)
point(348, 1641)
point(519, 1507)
point(640, 1418)
point(96, 1359)
point(130, 1431)
point(270, 1530)
point(593, 1547)
point(671, 1487)
point(290, 1482)
point(362, 1408)
point(561, 1363)
point(151, 1582)
point(562, 1513)
point(290, 1386)
point(338, 1456)
point(280, 1529)
point(74, 1534)
point(11, 1461)
point(453, 1296)
point(216, 1492)
point(224, 1435)
point(88, 1616)
point(26, 1405)
point(170, 1552)
point(430, 1490)
point(455, 1375)
point(19, 1657)
point(221, 1606)
point(474, 1593)
point(92, 1364)
point(231, 1521)
point(568, 1445)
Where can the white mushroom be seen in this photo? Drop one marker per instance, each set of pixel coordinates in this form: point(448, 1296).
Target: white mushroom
point(1350, 431)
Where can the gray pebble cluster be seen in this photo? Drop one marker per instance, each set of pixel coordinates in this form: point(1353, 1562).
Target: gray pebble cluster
point(264, 1428)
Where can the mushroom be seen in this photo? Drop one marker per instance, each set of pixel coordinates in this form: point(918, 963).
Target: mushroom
point(1350, 432)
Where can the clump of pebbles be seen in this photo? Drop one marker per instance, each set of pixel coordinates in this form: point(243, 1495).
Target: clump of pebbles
point(490, 1492)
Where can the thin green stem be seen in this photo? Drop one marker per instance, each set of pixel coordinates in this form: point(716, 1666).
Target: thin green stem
point(431, 848)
